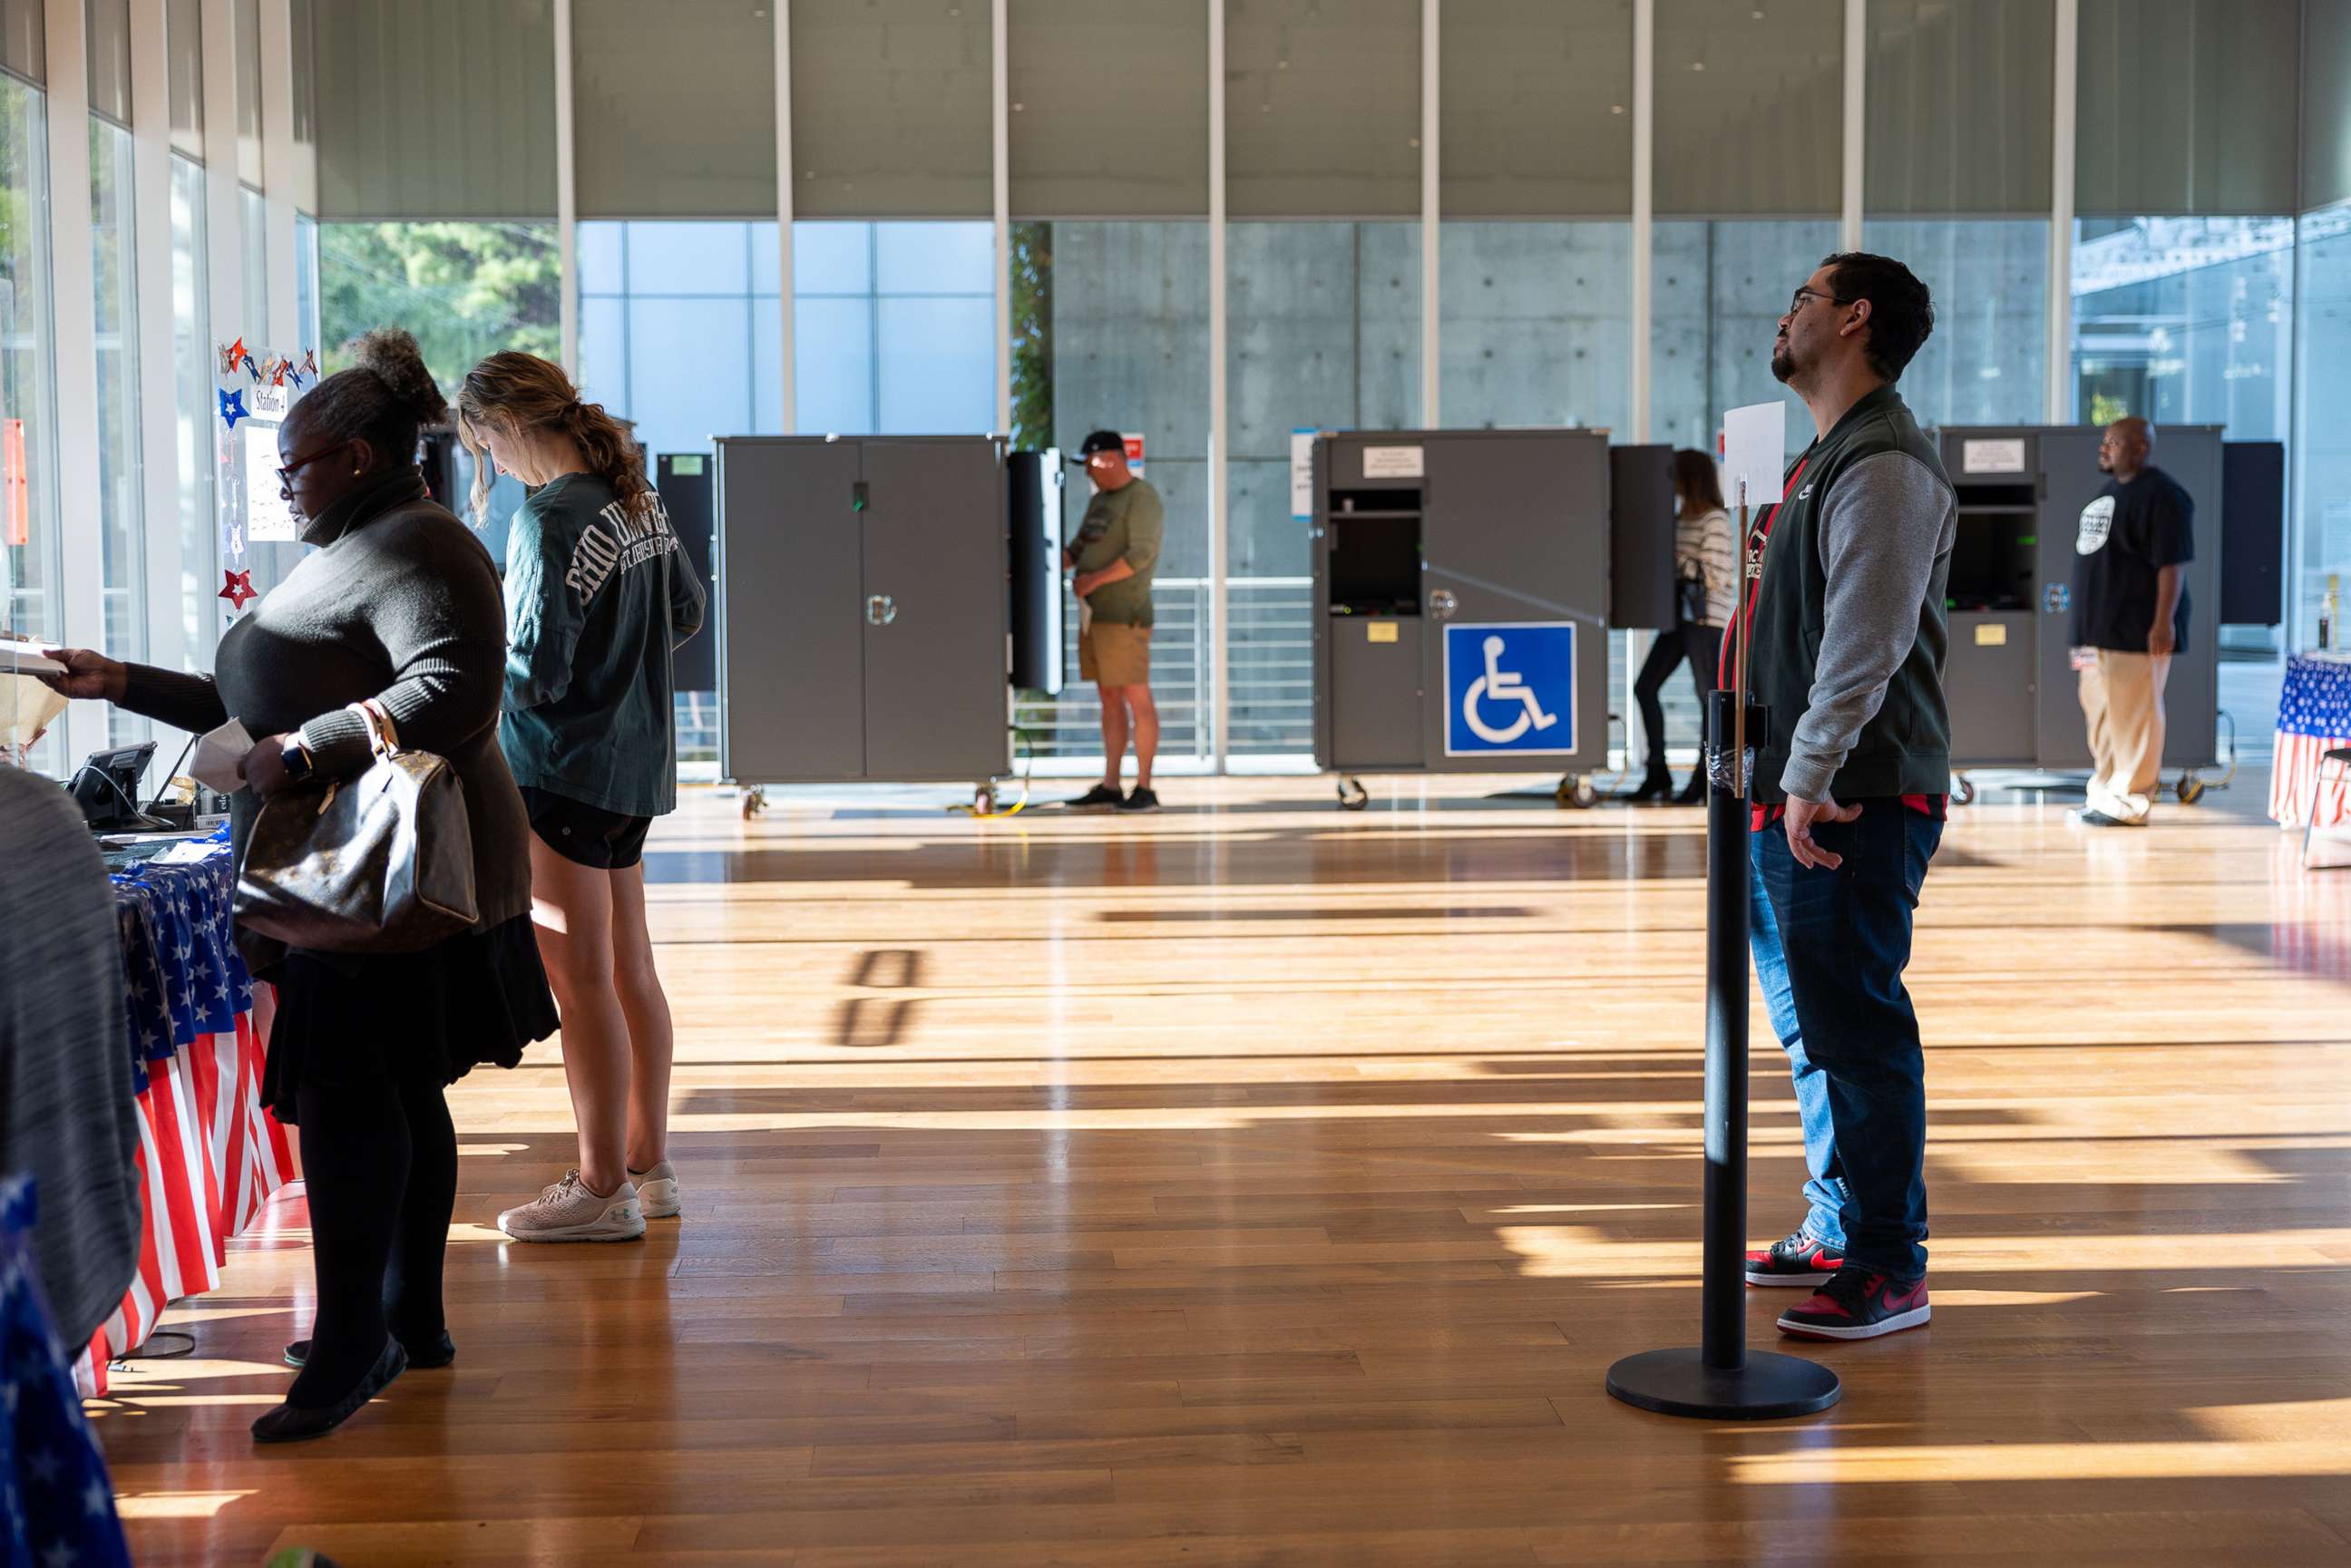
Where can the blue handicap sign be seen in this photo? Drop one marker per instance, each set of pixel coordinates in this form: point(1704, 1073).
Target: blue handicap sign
point(1509, 689)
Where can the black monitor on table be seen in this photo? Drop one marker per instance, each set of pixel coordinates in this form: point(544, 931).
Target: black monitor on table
point(106, 787)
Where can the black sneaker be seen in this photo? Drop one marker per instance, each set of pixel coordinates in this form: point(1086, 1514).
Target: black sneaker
point(1796, 1258)
point(1100, 797)
point(1141, 800)
point(1859, 1304)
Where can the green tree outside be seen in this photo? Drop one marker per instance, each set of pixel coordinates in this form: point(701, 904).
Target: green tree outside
point(466, 290)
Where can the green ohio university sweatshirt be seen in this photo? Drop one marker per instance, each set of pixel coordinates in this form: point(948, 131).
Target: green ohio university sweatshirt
point(597, 598)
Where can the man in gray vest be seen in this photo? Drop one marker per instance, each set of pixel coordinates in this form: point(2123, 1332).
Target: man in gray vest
point(1852, 778)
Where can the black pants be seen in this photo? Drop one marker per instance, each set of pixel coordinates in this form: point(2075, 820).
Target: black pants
point(1702, 646)
point(380, 1159)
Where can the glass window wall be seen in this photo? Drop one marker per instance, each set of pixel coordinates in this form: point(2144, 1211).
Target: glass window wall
point(1323, 332)
point(122, 510)
point(192, 376)
point(1109, 325)
point(1987, 361)
point(29, 582)
point(466, 289)
point(2321, 549)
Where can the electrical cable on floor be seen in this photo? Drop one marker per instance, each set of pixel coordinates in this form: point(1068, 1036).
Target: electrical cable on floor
point(148, 1352)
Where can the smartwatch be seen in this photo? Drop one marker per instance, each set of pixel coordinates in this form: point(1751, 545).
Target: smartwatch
point(296, 761)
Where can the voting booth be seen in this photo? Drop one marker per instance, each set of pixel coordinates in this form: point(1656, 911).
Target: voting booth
point(1462, 598)
point(2008, 678)
point(863, 605)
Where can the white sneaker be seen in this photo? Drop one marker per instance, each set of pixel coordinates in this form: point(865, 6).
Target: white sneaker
point(657, 1191)
point(568, 1211)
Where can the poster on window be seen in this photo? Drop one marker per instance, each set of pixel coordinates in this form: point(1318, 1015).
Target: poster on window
point(254, 388)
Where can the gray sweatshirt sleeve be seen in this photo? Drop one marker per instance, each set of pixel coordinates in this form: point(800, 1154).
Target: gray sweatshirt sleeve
point(1881, 528)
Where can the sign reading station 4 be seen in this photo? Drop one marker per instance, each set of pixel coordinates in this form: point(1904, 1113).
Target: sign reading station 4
point(1509, 689)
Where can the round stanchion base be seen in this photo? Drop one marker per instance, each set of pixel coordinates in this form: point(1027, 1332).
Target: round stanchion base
point(1769, 1387)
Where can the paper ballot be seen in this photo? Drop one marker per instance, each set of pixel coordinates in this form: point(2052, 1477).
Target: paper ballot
point(217, 755)
point(27, 706)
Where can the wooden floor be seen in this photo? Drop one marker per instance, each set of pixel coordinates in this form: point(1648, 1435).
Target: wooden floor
point(1258, 1183)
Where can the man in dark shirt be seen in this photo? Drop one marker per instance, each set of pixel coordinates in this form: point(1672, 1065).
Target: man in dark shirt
point(2130, 615)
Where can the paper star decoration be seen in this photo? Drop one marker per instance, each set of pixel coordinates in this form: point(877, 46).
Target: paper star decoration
point(309, 361)
point(277, 372)
point(232, 407)
point(238, 588)
point(231, 356)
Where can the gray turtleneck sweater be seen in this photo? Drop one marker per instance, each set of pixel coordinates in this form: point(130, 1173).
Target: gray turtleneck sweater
point(398, 602)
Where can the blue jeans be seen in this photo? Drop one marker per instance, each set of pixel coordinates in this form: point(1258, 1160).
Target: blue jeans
point(1830, 948)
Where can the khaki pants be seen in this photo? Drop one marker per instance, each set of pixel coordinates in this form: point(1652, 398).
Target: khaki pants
point(2121, 697)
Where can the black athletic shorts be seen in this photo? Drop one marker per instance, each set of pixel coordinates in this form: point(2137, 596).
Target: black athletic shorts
point(583, 834)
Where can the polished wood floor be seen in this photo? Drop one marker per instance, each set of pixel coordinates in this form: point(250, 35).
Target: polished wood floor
point(1258, 1183)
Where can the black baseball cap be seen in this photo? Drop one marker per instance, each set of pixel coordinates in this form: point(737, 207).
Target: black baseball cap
point(1100, 441)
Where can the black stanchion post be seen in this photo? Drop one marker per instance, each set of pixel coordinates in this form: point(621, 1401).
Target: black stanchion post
point(1719, 1379)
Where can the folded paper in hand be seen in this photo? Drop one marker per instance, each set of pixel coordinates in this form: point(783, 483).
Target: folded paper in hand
point(217, 757)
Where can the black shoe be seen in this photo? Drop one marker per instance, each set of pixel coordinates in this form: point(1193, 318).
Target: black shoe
point(1694, 792)
point(1100, 797)
point(1658, 786)
point(420, 1357)
point(1796, 1258)
point(1141, 800)
point(291, 1423)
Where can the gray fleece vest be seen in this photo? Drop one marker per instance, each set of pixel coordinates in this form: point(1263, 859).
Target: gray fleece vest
point(1906, 749)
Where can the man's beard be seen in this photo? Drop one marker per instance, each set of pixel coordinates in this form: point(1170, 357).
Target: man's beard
point(1783, 362)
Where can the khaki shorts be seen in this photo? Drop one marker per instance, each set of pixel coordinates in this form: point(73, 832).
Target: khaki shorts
point(1111, 655)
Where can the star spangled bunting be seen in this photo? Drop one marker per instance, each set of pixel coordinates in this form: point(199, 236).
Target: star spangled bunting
point(238, 588)
point(232, 407)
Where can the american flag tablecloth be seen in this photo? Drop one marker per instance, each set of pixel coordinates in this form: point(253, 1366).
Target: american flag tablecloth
point(209, 1154)
point(2313, 719)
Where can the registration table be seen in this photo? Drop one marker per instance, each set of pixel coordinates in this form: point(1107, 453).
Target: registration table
point(209, 1154)
point(2313, 719)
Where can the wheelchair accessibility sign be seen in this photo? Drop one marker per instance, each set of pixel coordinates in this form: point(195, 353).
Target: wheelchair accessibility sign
point(1509, 689)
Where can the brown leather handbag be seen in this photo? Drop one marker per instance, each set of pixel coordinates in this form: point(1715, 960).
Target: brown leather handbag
point(381, 863)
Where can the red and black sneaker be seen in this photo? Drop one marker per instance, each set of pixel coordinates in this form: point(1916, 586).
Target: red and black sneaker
point(1859, 1304)
point(1795, 1259)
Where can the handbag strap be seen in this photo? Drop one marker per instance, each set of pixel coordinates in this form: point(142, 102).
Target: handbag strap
point(382, 738)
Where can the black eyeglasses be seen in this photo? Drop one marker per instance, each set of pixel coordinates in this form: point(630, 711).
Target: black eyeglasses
point(285, 475)
point(1797, 304)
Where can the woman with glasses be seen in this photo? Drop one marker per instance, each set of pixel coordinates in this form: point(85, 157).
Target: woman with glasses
point(396, 604)
point(1706, 586)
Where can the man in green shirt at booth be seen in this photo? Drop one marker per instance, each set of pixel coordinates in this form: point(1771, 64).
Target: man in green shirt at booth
point(1112, 561)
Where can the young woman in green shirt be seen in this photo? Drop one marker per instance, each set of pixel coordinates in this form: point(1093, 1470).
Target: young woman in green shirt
point(598, 595)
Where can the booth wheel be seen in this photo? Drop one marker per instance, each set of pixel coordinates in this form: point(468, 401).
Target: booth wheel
point(753, 800)
point(1575, 791)
point(1963, 790)
point(1353, 796)
point(2189, 789)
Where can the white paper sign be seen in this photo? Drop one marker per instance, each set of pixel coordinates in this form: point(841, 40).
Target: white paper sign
point(1754, 454)
point(1302, 474)
point(1393, 463)
point(267, 518)
point(1991, 456)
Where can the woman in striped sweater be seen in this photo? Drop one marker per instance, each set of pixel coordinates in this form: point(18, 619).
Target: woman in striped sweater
point(1706, 568)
